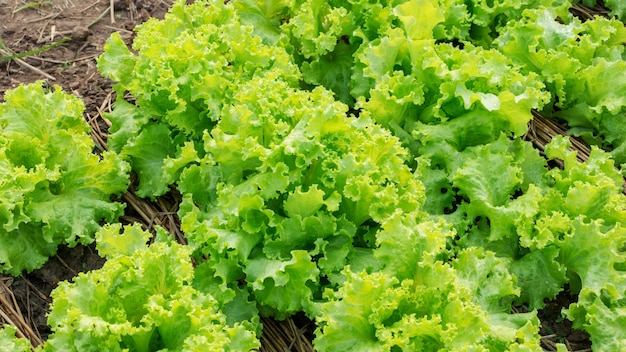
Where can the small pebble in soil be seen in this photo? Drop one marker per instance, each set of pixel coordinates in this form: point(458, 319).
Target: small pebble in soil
point(80, 33)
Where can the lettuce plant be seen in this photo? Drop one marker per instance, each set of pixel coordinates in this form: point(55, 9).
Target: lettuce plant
point(55, 190)
point(185, 74)
point(542, 222)
point(309, 202)
point(416, 302)
point(281, 185)
point(361, 162)
point(10, 342)
point(581, 64)
point(142, 299)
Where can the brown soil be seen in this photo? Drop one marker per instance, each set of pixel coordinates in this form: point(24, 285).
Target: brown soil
point(71, 65)
point(556, 329)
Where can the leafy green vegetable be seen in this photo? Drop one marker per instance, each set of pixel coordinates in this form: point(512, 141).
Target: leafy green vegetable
point(186, 72)
point(281, 186)
point(361, 161)
point(549, 230)
point(295, 204)
point(434, 307)
point(10, 342)
point(617, 8)
point(54, 189)
point(582, 64)
point(593, 248)
point(142, 300)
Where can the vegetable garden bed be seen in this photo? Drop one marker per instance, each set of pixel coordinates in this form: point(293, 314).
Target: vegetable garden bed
point(333, 176)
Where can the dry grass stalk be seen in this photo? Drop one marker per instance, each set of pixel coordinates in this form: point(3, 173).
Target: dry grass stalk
point(10, 313)
point(286, 335)
point(549, 344)
point(587, 12)
point(24, 64)
point(541, 130)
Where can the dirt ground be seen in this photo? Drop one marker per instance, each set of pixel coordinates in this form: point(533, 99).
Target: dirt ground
point(86, 23)
point(27, 26)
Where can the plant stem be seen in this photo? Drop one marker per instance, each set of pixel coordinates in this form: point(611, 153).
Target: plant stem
point(36, 51)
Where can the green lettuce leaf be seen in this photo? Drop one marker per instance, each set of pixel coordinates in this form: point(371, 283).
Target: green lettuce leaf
point(283, 287)
point(406, 239)
point(592, 189)
point(10, 342)
point(603, 321)
point(433, 311)
point(540, 275)
point(142, 300)
point(488, 277)
point(174, 84)
point(581, 64)
point(265, 17)
point(488, 17)
point(597, 258)
point(113, 242)
point(55, 190)
point(617, 8)
point(298, 177)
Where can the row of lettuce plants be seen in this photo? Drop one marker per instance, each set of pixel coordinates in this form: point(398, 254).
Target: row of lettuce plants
point(358, 161)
